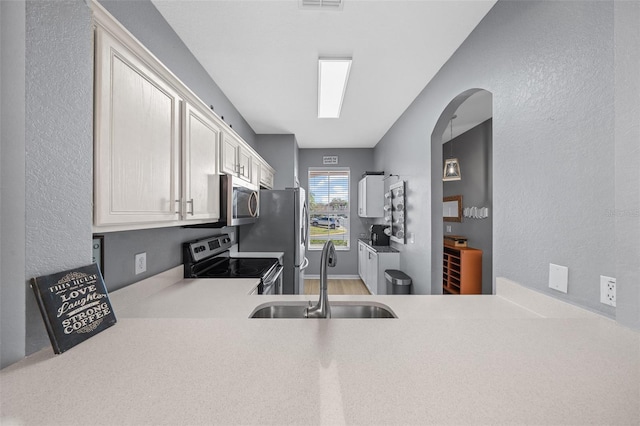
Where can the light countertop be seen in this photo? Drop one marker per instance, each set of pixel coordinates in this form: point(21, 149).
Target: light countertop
point(187, 353)
point(379, 249)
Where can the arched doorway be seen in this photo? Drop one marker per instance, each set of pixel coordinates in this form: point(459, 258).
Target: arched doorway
point(469, 138)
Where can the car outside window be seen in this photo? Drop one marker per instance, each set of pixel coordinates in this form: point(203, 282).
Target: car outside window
point(328, 199)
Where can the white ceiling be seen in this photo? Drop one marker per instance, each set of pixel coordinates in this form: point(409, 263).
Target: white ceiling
point(263, 55)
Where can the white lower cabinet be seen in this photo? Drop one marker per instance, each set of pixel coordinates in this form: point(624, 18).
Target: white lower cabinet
point(371, 267)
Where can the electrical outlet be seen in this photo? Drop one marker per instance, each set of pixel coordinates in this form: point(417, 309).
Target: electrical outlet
point(141, 263)
point(558, 277)
point(608, 290)
point(448, 228)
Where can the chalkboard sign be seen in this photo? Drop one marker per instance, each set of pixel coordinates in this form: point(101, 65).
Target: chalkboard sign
point(74, 305)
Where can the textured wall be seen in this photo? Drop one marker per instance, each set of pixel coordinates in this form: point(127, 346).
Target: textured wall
point(358, 161)
point(59, 145)
point(12, 194)
point(627, 162)
point(473, 150)
point(549, 66)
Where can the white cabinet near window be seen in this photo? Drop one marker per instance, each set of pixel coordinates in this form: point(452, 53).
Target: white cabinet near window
point(137, 138)
point(200, 178)
point(371, 196)
point(372, 264)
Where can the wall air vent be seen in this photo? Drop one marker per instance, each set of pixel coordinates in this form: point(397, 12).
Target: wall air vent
point(321, 4)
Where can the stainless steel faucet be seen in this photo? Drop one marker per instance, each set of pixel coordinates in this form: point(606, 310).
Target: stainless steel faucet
point(329, 258)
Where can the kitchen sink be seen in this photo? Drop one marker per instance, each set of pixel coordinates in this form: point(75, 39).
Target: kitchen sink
point(338, 310)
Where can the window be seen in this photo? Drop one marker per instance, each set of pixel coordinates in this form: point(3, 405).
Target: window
point(329, 208)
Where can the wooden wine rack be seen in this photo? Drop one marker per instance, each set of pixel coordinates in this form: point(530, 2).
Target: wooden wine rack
point(461, 270)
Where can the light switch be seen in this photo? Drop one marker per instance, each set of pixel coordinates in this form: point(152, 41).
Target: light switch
point(558, 277)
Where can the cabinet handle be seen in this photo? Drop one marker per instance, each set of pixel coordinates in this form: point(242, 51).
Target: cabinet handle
point(190, 202)
point(179, 205)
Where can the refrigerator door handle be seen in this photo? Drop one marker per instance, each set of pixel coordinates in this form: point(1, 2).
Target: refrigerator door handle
point(304, 264)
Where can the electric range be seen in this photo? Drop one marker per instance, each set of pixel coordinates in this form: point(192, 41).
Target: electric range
point(210, 258)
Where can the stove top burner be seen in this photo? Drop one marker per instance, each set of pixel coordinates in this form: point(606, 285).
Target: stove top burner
point(229, 267)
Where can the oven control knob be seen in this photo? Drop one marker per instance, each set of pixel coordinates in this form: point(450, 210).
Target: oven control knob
point(226, 240)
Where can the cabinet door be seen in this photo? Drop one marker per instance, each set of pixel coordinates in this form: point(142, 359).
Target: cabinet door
point(266, 177)
point(228, 153)
point(136, 139)
point(372, 271)
point(371, 196)
point(362, 261)
point(362, 198)
point(244, 163)
point(255, 172)
point(200, 179)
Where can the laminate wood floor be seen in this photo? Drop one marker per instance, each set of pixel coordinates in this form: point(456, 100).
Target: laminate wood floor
point(336, 287)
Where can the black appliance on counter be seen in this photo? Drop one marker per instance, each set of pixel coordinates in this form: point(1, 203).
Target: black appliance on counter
point(378, 237)
point(210, 258)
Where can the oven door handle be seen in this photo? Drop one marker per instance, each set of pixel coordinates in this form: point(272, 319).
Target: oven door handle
point(274, 277)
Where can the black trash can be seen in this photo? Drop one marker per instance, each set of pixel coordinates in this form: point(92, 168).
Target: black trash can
point(397, 282)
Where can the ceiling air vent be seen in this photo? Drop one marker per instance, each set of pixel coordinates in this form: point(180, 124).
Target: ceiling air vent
point(321, 4)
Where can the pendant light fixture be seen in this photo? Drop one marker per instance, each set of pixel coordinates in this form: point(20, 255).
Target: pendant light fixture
point(451, 165)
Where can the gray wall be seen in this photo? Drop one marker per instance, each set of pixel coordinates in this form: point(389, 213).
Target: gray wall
point(58, 145)
point(550, 68)
point(359, 161)
point(281, 152)
point(627, 161)
point(163, 247)
point(12, 175)
point(473, 150)
point(144, 21)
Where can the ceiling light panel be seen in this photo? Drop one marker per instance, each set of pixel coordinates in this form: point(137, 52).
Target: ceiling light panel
point(333, 75)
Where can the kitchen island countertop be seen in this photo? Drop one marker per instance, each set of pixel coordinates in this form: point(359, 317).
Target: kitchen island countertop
point(187, 353)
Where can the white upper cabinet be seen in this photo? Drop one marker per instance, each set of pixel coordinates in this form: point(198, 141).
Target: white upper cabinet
point(229, 154)
point(371, 196)
point(200, 178)
point(244, 163)
point(266, 176)
point(235, 157)
point(137, 138)
point(159, 151)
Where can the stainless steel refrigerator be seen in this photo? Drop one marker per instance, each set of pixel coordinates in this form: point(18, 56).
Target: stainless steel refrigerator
point(283, 226)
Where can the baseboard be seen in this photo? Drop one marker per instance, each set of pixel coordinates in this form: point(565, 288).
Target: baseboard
point(132, 294)
point(544, 305)
point(333, 277)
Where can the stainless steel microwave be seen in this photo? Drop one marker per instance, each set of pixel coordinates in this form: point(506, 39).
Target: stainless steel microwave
point(240, 201)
